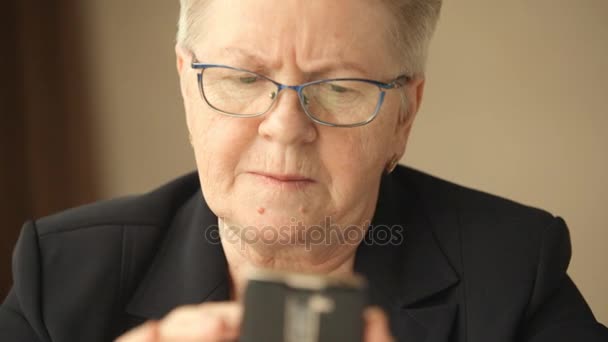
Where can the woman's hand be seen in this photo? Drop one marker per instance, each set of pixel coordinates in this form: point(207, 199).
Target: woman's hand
point(207, 322)
point(221, 321)
point(376, 326)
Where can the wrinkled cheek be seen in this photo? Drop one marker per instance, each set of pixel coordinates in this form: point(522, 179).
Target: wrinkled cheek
point(220, 142)
point(204, 127)
point(208, 145)
point(363, 150)
point(214, 170)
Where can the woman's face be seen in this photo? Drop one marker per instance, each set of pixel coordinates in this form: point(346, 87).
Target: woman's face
point(245, 164)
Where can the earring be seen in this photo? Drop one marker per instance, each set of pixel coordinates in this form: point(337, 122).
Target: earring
point(392, 164)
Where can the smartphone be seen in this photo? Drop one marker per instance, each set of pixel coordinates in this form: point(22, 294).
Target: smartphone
point(302, 307)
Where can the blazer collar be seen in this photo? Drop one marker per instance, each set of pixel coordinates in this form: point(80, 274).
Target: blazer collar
point(416, 268)
point(406, 279)
point(190, 266)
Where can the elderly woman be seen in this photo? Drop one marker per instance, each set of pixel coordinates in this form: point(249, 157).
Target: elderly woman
point(298, 112)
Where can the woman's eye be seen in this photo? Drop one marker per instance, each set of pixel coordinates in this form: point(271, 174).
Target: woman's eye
point(248, 80)
point(338, 89)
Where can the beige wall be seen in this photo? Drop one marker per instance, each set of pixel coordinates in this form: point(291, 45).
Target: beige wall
point(516, 104)
point(141, 136)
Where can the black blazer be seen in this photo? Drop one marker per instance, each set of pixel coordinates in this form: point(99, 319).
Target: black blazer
point(471, 267)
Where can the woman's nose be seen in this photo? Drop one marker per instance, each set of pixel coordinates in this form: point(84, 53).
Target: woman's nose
point(286, 122)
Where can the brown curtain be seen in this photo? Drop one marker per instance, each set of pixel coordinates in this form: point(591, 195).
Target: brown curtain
point(46, 161)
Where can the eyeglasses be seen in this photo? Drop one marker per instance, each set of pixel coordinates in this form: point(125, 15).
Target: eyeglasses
point(339, 102)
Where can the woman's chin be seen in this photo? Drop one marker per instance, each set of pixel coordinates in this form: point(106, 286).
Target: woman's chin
point(280, 217)
point(272, 207)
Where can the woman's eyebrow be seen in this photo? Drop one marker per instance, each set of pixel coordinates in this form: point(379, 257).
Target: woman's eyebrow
point(322, 68)
point(253, 59)
point(336, 66)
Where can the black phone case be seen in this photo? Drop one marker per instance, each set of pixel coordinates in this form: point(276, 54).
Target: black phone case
point(267, 315)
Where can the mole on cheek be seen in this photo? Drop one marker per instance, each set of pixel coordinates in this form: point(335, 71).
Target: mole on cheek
point(261, 210)
point(302, 210)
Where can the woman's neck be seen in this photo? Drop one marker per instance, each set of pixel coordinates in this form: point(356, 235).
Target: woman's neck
point(336, 259)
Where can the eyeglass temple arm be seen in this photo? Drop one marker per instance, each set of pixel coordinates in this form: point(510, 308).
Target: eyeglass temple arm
point(401, 81)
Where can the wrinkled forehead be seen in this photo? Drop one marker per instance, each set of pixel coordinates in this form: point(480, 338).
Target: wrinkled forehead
point(311, 32)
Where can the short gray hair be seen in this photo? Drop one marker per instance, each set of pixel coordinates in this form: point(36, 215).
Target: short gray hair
point(412, 29)
point(190, 13)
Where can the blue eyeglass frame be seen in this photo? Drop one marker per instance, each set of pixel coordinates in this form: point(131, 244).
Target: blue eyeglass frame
point(397, 82)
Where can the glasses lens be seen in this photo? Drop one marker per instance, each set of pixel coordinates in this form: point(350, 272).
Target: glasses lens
point(342, 102)
point(237, 92)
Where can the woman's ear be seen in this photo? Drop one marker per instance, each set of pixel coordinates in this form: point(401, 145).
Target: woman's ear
point(180, 58)
point(412, 93)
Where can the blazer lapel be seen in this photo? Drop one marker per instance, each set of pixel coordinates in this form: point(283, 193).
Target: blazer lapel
point(408, 276)
point(190, 266)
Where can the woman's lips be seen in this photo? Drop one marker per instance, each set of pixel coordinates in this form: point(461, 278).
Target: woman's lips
point(285, 181)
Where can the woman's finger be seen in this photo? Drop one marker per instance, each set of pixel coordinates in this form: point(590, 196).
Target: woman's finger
point(205, 322)
point(231, 313)
point(146, 332)
point(377, 327)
